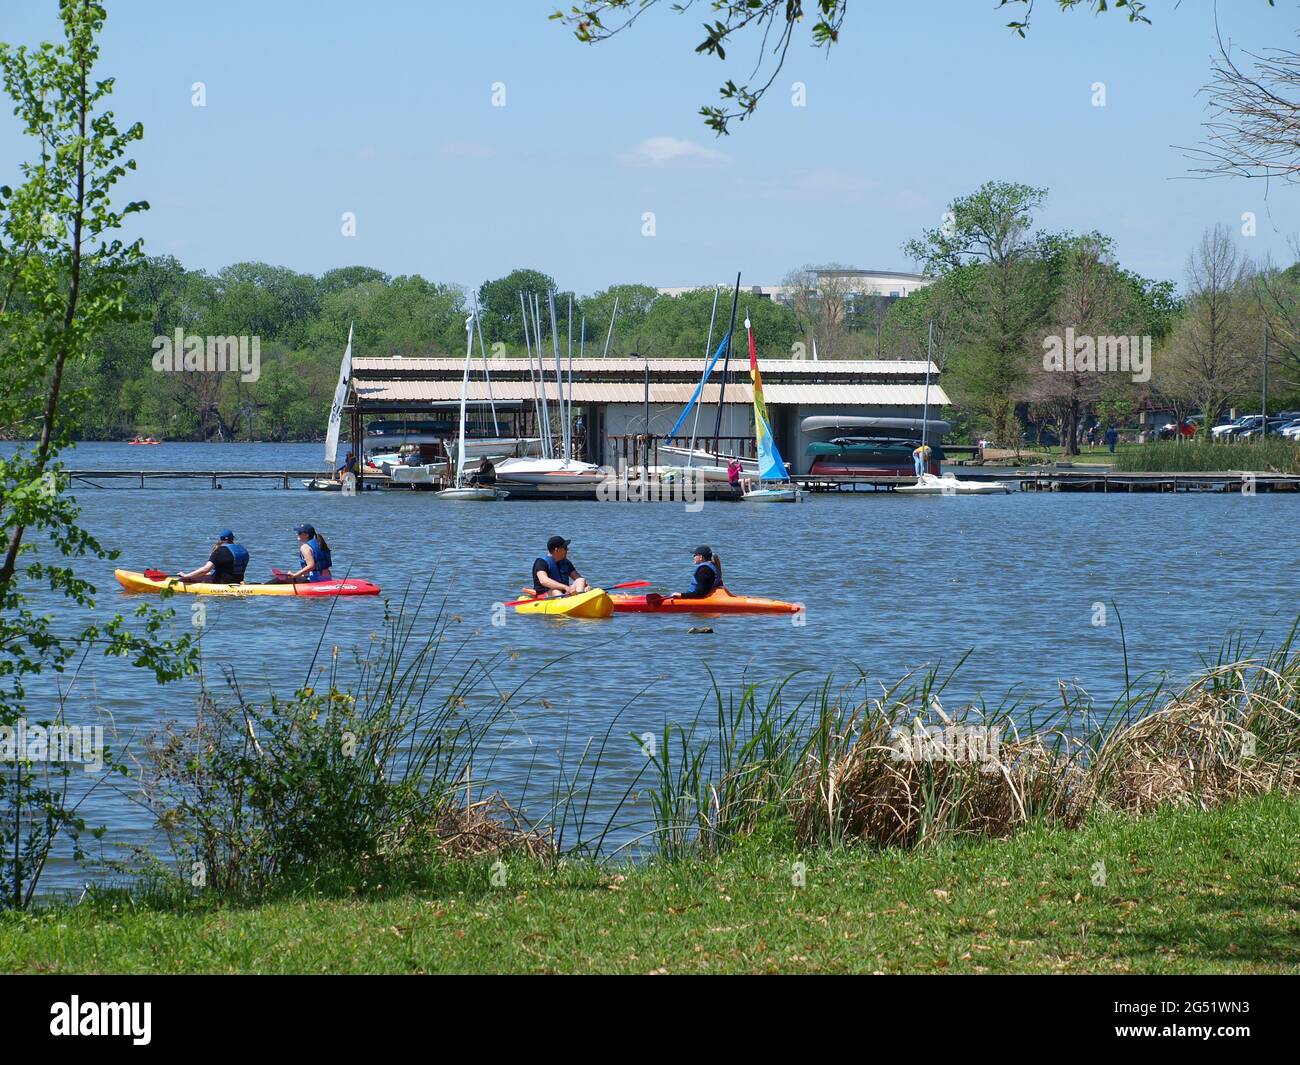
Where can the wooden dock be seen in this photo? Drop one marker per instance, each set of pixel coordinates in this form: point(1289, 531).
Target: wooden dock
point(1026, 479)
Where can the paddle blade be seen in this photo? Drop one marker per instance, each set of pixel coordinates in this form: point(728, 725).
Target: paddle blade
point(654, 599)
point(632, 584)
point(156, 574)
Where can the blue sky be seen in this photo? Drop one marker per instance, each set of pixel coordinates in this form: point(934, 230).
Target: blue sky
point(317, 107)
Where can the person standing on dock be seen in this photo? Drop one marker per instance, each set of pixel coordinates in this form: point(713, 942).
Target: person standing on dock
point(226, 564)
point(554, 574)
point(921, 460)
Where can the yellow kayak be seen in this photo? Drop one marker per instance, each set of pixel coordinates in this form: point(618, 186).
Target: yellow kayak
point(593, 604)
point(138, 582)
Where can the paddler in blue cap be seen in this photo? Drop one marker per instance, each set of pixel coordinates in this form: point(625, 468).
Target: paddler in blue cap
point(315, 555)
point(226, 564)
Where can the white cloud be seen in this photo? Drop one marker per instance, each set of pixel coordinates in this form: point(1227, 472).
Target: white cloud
point(667, 151)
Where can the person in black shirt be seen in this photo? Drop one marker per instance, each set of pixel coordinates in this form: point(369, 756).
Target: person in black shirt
point(226, 564)
point(707, 577)
point(554, 574)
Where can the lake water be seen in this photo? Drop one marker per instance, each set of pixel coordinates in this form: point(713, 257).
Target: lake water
point(891, 583)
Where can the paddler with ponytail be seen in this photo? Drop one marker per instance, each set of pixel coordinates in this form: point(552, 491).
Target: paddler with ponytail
point(226, 564)
point(315, 555)
point(707, 577)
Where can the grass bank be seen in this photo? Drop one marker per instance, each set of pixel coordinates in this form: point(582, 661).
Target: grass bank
point(1183, 891)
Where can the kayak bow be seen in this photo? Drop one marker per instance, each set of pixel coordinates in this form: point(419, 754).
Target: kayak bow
point(596, 603)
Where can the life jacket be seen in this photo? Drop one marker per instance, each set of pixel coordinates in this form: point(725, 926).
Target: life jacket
point(707, 585)
point(239, 553)
point(557, 571)
point(322, 558)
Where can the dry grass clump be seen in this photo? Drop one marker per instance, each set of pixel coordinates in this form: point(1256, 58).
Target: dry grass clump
point(1231, 733)
point(898, 770)
point(486, 827)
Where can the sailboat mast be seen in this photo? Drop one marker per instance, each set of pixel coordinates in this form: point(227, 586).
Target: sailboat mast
point(541, 378)
point(568, 406)
point(708, 350)
point(559, 374)
point(610, 334)
point(464, 389)
point(925, 411)
point(487, 376)
point(726, 363)
point(537, 410)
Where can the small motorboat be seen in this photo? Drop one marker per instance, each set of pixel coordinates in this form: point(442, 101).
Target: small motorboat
point(474, 493)
point(949, 485)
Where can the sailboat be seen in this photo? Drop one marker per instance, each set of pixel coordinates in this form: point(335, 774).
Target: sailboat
point(771, 469)
point(566, 471)
point(461, 489)
point(330, 483)
point(927, 484)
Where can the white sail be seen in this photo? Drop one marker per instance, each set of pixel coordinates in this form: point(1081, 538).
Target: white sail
point(340, 397)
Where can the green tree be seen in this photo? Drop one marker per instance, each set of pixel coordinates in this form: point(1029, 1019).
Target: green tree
point(1002, 298)
point(63, 280)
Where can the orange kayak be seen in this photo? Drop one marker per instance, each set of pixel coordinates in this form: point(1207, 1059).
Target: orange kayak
point(719, 601)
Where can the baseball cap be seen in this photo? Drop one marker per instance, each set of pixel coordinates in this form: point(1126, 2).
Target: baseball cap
point(225, 534)
point(305, 528)
point(556, 541)
point(704, 551)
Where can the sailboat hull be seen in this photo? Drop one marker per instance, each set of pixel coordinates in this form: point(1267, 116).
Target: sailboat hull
point(550, 471)
point(773, 495)
point(481, 495)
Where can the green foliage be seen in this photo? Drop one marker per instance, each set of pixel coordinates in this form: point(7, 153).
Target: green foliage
point(1274, 455)
point(64, 277)
point(352, 778)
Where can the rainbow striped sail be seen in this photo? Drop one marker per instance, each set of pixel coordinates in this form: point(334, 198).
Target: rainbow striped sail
point(770, 465)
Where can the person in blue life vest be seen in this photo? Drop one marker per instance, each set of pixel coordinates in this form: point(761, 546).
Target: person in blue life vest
point(706, 577)
point(554, 574)
point(225, 565)
point(314, 553)
point(921, 460)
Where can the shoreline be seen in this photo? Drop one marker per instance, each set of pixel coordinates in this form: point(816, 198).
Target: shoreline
point(1181, 891)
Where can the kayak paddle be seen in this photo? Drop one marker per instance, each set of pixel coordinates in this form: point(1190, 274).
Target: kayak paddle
point(157, 575)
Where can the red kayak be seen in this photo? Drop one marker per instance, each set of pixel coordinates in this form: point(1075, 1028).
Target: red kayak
point(719, 601)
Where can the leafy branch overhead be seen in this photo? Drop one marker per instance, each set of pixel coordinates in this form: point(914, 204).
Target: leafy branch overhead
point(773, 24)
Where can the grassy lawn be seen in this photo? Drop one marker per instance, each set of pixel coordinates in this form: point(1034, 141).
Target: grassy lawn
point(1183, 892)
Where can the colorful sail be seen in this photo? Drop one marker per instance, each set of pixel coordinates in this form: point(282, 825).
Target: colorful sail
point(770, 465)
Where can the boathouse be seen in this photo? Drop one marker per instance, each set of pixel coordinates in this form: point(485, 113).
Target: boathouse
point(614, 399)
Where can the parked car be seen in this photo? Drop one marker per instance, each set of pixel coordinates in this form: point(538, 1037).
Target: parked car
point(1292, 429)
point(1229, 430)
point(1186, 428)
point(1271, 428)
